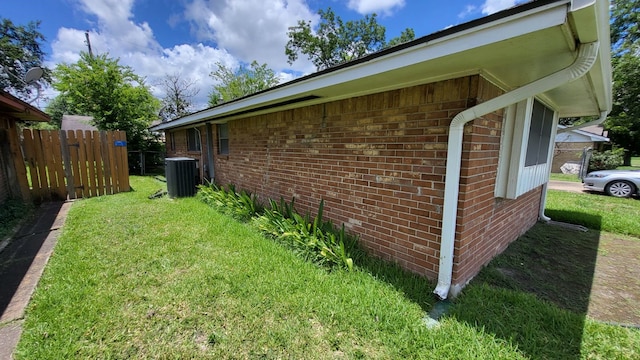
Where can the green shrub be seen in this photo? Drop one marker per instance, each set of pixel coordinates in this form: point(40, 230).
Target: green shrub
point(606, 160)
point(317, 241)
point(241, 205)
point(313, 239)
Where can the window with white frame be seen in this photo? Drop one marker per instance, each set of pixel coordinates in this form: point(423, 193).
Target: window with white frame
point(525, 150)
point(223, 139)
point(540, 131)
point(193, 139)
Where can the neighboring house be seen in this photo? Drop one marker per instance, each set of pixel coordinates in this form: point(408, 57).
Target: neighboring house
point(12, 111)
point(77, 122)
point(570, 144)
point(435, 152)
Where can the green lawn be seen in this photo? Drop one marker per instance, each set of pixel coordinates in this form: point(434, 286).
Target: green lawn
point(565, 177)
point(137, 278)
point(595, 211)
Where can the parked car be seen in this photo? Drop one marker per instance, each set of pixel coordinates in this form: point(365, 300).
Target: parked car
point(618, 183)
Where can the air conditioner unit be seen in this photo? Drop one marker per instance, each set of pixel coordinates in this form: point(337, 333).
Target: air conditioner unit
point(182, 176)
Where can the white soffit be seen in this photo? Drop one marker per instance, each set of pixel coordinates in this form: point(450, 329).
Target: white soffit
point(537, 40)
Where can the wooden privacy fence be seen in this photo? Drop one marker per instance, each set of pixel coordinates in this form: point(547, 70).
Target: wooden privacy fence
point(74, 164)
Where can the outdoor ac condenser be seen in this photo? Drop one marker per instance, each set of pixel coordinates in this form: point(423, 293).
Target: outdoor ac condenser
point(181, 174)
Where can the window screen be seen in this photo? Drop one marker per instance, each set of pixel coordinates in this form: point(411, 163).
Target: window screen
point(193, 140)
point(223, 139)
point(539, 134)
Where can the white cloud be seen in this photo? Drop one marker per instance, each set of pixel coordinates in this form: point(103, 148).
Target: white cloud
point(468, 10)
point(492, 6)
point(243, 31)
point(384, 7)
point(250, 29)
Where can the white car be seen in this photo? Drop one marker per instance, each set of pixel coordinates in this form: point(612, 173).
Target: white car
point(618, 183)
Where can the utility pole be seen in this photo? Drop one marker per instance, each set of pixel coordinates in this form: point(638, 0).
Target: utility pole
point(86, 35)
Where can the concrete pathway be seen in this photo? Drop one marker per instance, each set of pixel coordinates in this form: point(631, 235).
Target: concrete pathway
point(22, 261)
point(565, 186)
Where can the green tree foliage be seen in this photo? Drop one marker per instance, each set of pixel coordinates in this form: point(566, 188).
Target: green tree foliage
point(236, 84)
point(113, 94)
point(19, 51)
point(335, 41)
point(178, 96)
point(625, 20)
point(623, 122)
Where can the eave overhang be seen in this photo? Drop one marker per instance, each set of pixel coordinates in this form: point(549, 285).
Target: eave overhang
point(510, 48)
point(13, 107)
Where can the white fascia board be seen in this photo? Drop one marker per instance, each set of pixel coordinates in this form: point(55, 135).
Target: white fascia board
point(536, 19)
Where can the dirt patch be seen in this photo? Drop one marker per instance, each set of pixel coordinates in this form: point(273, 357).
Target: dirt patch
point(615, 292)
point(591, 273)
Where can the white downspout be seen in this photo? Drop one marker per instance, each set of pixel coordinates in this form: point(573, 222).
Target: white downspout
point(587, 54)
point(598, 121)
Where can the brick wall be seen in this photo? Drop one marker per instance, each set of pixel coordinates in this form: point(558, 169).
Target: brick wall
point(486, 225)
point(379, 162)
point(180, 148)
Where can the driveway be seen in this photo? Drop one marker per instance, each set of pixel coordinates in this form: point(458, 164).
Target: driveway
point(565, 186)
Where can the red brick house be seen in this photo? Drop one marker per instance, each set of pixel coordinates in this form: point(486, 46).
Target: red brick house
point(436, 152)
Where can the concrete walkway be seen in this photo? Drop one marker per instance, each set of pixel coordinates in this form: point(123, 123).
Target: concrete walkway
point(565, 186)
point(22, 261)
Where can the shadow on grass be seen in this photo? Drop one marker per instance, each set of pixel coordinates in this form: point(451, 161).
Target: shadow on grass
point(414, 287)
point(536, 294)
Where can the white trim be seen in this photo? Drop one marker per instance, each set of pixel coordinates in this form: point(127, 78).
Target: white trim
point(587, 56)
point(526, 22)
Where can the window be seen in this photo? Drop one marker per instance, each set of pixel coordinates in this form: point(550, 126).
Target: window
point(193, 139)
point(528, 131)
point(172, 141)
point(223, 139)
point(539, 134)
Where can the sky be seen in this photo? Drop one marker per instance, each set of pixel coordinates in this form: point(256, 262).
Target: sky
point(189, 37)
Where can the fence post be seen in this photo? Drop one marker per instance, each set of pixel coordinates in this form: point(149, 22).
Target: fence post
point(64, 147)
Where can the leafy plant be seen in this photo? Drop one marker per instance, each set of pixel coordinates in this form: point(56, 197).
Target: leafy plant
point(314, 239)
point(241, 205)
point(606, 160)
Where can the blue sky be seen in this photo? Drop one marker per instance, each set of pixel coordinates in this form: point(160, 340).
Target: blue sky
point(188, 37)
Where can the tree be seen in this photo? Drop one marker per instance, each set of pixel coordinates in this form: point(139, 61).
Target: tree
point(236, 84)
point(113, 94)
point(178, 97)
point(625, 18)
point(623, 122)
point(335, 41)
point(19, 51)
point(56, 108)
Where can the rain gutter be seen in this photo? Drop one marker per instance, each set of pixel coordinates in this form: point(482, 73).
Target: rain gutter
point(586, 57)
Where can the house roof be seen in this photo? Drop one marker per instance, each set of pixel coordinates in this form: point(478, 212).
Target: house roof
point(15, 108)
point(580, 135)
point(77, 122)
point(510, 48)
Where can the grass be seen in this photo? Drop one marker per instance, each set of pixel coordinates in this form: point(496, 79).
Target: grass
point(595, 211)
point(12, 212)
point(137, 278)
point(565, 177)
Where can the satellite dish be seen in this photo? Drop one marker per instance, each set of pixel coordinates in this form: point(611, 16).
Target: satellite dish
point(34, 74)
